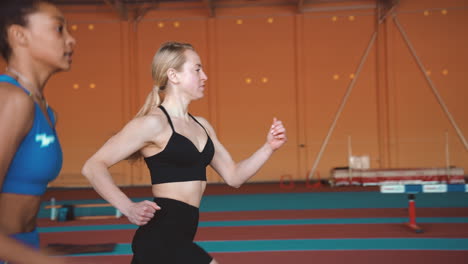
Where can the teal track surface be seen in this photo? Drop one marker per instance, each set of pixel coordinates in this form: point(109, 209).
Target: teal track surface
point(317, 244)
point(300, 201)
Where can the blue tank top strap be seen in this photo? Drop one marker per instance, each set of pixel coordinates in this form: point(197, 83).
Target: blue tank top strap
point(11, 80)
point(168, 117)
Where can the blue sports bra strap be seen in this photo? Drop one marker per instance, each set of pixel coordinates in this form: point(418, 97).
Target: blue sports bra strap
point(11, 80)
point(26, 91)
point(167, 115)
point(198, 122)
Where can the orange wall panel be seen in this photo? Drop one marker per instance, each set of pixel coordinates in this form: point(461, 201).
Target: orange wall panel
point(256, 82)
point(438, 39)
point(89, 99)
point(333, 49)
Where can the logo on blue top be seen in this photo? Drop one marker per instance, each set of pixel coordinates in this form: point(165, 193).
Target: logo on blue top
point(45, 139)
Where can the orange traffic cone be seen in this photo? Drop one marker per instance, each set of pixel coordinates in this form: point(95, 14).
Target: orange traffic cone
point(316, 185)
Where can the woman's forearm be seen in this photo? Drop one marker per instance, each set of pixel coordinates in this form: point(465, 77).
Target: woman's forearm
point(101, 179)
point(244, 170)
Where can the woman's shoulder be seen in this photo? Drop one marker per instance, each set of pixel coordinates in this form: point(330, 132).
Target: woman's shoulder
point(14, 97)
point(152, 127)
point(154, 121)
point(9, 89)
point(16, 109)
point(206, 124)
point(202, 120)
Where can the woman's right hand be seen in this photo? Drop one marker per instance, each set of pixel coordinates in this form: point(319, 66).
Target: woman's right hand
point(142, 212)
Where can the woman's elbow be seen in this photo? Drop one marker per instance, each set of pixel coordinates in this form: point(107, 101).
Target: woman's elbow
point(236, 185)
point(86, 170)
point(233, 183)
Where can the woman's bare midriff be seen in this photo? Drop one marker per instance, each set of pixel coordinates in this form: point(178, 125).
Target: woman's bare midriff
point(18, 212)
point(189, 192)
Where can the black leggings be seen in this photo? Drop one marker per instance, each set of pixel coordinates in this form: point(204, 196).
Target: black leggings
point(168, 237)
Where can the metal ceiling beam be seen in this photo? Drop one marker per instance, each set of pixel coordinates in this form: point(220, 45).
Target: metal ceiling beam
point(119, 7)
point(385, 7)
point(300, 6)
point(77, 2)
point(211, 8)
point(140, 11)
point(132, 9)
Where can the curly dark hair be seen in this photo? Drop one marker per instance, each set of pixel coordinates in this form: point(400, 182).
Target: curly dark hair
point(14, 12)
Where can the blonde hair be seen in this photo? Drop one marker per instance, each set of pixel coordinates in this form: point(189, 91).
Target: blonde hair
point(170, 55)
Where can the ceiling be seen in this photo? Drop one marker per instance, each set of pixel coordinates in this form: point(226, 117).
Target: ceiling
point(105, 2)
point(138, 8)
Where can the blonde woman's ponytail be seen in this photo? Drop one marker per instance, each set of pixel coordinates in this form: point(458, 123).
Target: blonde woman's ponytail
point(152, 100)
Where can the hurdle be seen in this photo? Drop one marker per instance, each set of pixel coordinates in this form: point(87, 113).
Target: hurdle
point(64, 212)
point(413, 189)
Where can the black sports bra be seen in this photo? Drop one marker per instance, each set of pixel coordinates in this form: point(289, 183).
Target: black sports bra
point(180, 160)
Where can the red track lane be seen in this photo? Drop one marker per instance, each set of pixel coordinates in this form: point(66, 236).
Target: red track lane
point(274, 232)
point(331, 232)
point(316, 257)
point(345, 257)
point(289, 214)
point(332, 213)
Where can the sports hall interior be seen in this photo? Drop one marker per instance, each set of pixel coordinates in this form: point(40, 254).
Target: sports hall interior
point(381, 82)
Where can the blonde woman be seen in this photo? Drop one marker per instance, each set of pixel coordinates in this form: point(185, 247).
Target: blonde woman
point(177, 147)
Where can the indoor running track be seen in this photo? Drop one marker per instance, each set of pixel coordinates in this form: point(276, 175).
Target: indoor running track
point(263, 223)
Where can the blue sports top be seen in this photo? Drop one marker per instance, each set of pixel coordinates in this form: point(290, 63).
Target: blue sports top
point(38, 159)
point(180, 160)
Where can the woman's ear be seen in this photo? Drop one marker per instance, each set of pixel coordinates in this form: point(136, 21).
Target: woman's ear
point(172, 75)
point(16, 35)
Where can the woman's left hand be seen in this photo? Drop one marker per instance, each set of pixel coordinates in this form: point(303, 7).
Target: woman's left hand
point(277, 135)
